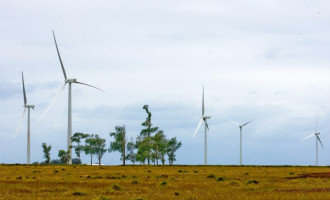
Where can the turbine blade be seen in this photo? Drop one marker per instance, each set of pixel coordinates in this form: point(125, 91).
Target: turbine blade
point(24, 94)
point(233, 121)
point(247, 122)
point(207, 126)
point(320, 141)
point(52, 102)
point(203, 109)
point(59, 56)
point(89, 85)
point(20, 123)
point(199, 125)
point(308, 137)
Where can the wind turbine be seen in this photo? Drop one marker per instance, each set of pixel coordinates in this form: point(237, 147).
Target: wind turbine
point(240, 130)
point(28, 122)
point(69, 81)
point(206, 127)
point(317, 140)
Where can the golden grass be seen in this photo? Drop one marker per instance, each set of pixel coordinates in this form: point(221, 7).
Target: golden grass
point(168, 182)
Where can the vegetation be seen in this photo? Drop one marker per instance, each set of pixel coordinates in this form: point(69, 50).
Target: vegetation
point(95, 145)
point(120, 142)
point(76, 138)
point(64, 156)
point(166, 182)
point(151, 145)
point(46, 150)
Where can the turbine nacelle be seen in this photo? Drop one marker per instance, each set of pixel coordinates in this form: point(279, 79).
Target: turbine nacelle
point(73, 80)
point(29, 106)
point(206, 117)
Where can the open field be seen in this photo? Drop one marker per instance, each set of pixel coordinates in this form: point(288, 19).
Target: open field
point(168, 182)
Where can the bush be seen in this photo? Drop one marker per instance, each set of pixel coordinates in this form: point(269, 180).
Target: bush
point(56, 161)
point(163, 183)
point(116, 187)
point(78, 194)
point(211, 176)
point(135, 182)
point(221, 179)
point(76, 161)
point(252, 182)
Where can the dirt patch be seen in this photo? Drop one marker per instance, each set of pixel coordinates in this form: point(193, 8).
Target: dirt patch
point(306, 190)
point(312, 175)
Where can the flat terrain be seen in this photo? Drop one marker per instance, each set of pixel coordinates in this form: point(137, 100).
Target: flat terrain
point(168, 182)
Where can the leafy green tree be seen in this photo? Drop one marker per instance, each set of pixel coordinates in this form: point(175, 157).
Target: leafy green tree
point(142, 146)
point(130, 151)
point(89, 147)
point(77, 137)
point(64, 156)
point(120, 142)
point(100, 147)
point(172, 147)
point(147, 133)
point(46, 150)
point(160, 146)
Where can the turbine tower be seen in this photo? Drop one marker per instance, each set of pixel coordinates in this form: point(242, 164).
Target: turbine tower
point(69, 81)
point(26, 106)
point(240, 131)
point(317, 140)
point(206, 127)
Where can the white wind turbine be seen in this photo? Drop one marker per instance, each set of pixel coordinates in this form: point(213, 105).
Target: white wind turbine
point(240, 130)
point(69, 81)
point(28, 122)
point(317, 140)
point(206, 127)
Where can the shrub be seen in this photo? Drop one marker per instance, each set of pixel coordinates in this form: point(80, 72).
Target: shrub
point(135, 182)
point(211, 176)
point(163, 183)
point(78, 194)
point(116, 187)
point(252, 182)
point(221, 179)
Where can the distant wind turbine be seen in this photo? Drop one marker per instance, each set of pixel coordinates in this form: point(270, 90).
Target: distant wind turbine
point(28, 122)
point(240, 129)
point(206, 126)
point(69, 81)
point(317, 140)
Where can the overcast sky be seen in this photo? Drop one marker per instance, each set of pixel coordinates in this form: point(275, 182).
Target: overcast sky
point(263, 60)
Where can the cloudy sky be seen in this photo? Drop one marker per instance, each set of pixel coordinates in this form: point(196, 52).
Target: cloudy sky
point(267, 60)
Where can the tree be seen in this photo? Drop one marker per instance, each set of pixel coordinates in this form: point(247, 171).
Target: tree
point(100, 148)
point(89, 147)
point(130, 149)
point(77, 137)
point(46, 150)
point(95, 145)
point(142, 149)
point(172, 147)
point(120, 142)
point(160, 146)
point(147, 132)
point(64, 156)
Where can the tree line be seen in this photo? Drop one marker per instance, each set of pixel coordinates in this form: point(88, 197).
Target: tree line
point(150, 146)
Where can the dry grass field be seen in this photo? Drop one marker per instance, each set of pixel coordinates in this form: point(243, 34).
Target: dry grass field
point(168, 182)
